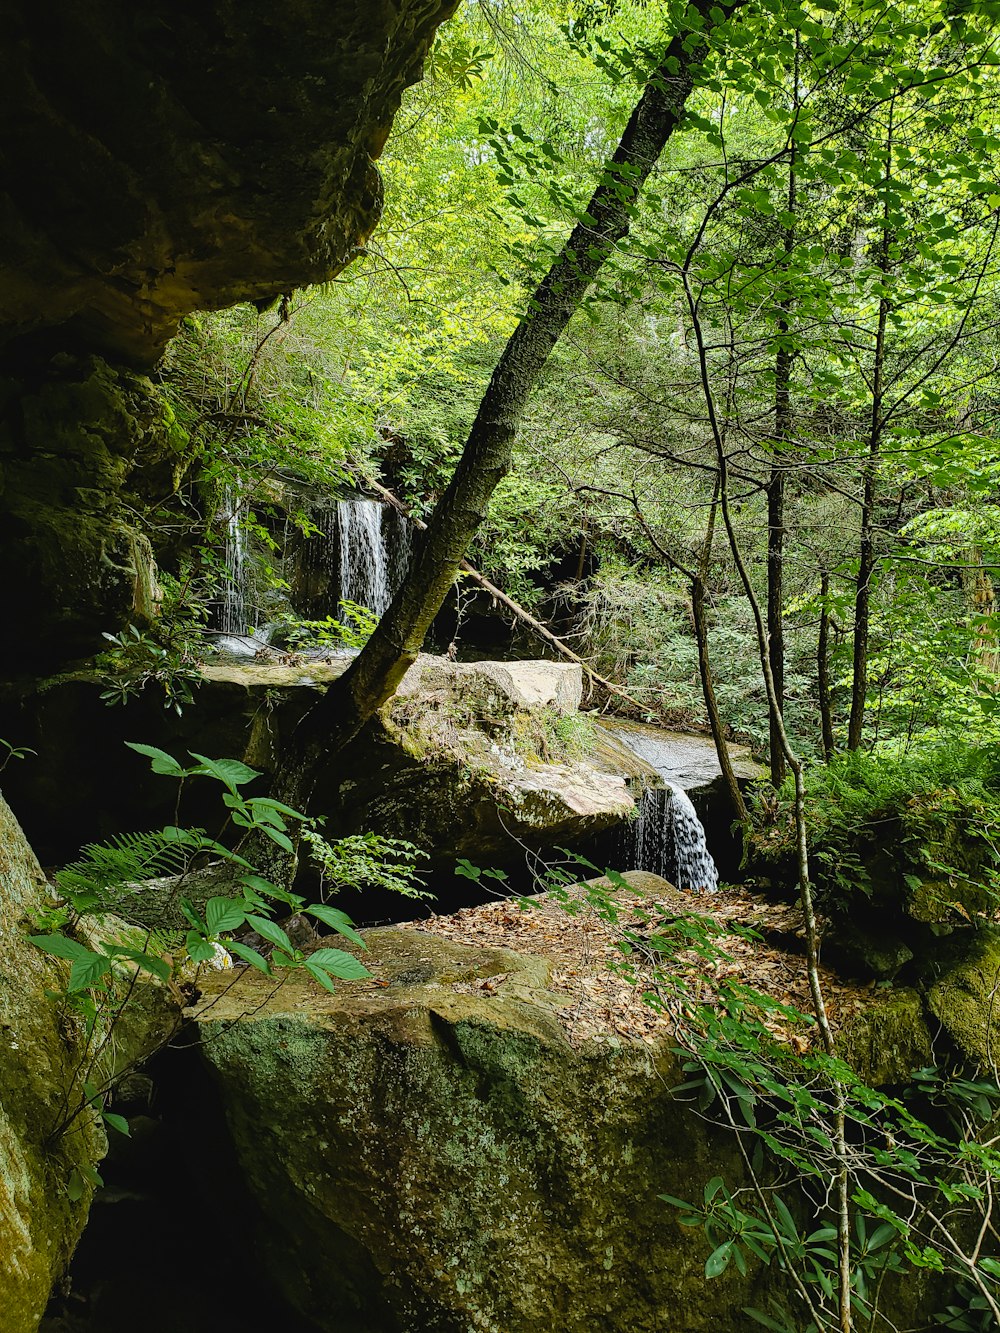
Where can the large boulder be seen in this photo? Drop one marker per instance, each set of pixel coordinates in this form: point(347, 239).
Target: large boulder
point(430, 1151)
point(476, 1138)
point(964, 999)
point(41, 1049)
point(467, 760)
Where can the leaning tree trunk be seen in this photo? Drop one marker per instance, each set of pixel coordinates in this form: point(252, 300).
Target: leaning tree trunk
point(375, 674)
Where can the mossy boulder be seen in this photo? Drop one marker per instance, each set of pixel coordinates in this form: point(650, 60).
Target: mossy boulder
point(40, 1050)
point(456, 770)
point(428, 1151)
point(888, 1040)
point(966, 999)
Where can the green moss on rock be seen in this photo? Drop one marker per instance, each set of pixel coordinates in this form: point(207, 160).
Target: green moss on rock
point(967, 1000)
point(432, 1156)
point(39, 1222)
point(83, 448)
point(887, 1041)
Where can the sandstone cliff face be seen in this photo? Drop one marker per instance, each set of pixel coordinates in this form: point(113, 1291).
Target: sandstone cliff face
point(157, 160)
point(171, 157)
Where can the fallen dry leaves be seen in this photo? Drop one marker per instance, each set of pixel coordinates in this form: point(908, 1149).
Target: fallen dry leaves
point(604, 989)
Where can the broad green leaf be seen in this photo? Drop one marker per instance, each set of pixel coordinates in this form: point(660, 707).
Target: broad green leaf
point(117, 1122)
point(718, 1261)
point(162, 762)
point(282, 809)
point(250, 956)
point(319, 973)
point(61, 946)
point(341, 964)
point(223, 914)
point(87, 972)
point(276, 836)
point(199, 949)
point(338, 921)
point(149, 962)
point(232, 772)
point(272, 932)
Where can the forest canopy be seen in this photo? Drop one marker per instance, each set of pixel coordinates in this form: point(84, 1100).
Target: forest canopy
point(807, 296)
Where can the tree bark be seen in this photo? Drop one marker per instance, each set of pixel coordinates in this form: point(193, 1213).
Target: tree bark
point(866, 552)
point(376, 672)
point(823, 668)
point(776, 481)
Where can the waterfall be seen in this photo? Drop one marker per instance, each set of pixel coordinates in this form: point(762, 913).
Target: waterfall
point(365, 553)
point(233, 616)
point(364, 560)
point(667, 838)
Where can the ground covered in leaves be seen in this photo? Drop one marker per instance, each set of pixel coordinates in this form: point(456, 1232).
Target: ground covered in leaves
point(603, 944)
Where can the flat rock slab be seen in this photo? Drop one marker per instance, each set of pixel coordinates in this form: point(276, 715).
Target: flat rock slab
point(689, 761)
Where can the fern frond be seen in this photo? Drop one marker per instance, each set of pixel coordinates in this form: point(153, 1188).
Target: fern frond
point(105, 871)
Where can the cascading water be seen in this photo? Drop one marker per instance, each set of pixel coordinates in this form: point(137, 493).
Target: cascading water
point(364, 554)
point(667, 838)
point(233, 615)
point(364, 558)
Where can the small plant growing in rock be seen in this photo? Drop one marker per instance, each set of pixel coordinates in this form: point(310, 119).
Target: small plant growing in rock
point(164, 904)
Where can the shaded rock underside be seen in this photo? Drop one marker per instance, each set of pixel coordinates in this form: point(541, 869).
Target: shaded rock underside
point(187, 156)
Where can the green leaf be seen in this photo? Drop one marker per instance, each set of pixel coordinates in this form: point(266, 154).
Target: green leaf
point(162, 762)
point(199, 949)
point(250, 956)
point(340, 964)
point(272, 932)
point(322, 976)
point(269, 890)
point(223, 914)
point(338, 921)
point(282, 839)
point(231, 772)
point(712, 1188)
point(61, 946)
point(149, 962)
point(675, 1202)
point(87, 972)
point(718, 1261)
point(272, 804)
point(117, 1122)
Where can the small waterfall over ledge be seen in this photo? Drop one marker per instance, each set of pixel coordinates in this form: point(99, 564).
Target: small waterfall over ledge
point(362, 555)
point(234, 613)
point(374, 552)
point(667, 838)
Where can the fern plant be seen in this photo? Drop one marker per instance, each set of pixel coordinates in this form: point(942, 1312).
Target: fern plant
point(164, 881)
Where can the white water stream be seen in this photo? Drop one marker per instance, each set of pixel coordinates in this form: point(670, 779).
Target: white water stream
point(233, 619)
point(667, 838)
point(365, 549)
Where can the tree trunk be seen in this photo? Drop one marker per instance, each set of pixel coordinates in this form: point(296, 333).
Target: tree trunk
point(823, 668)
point(866, 553)
point(776, 482)
point(375, 674)
point(711, 703)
